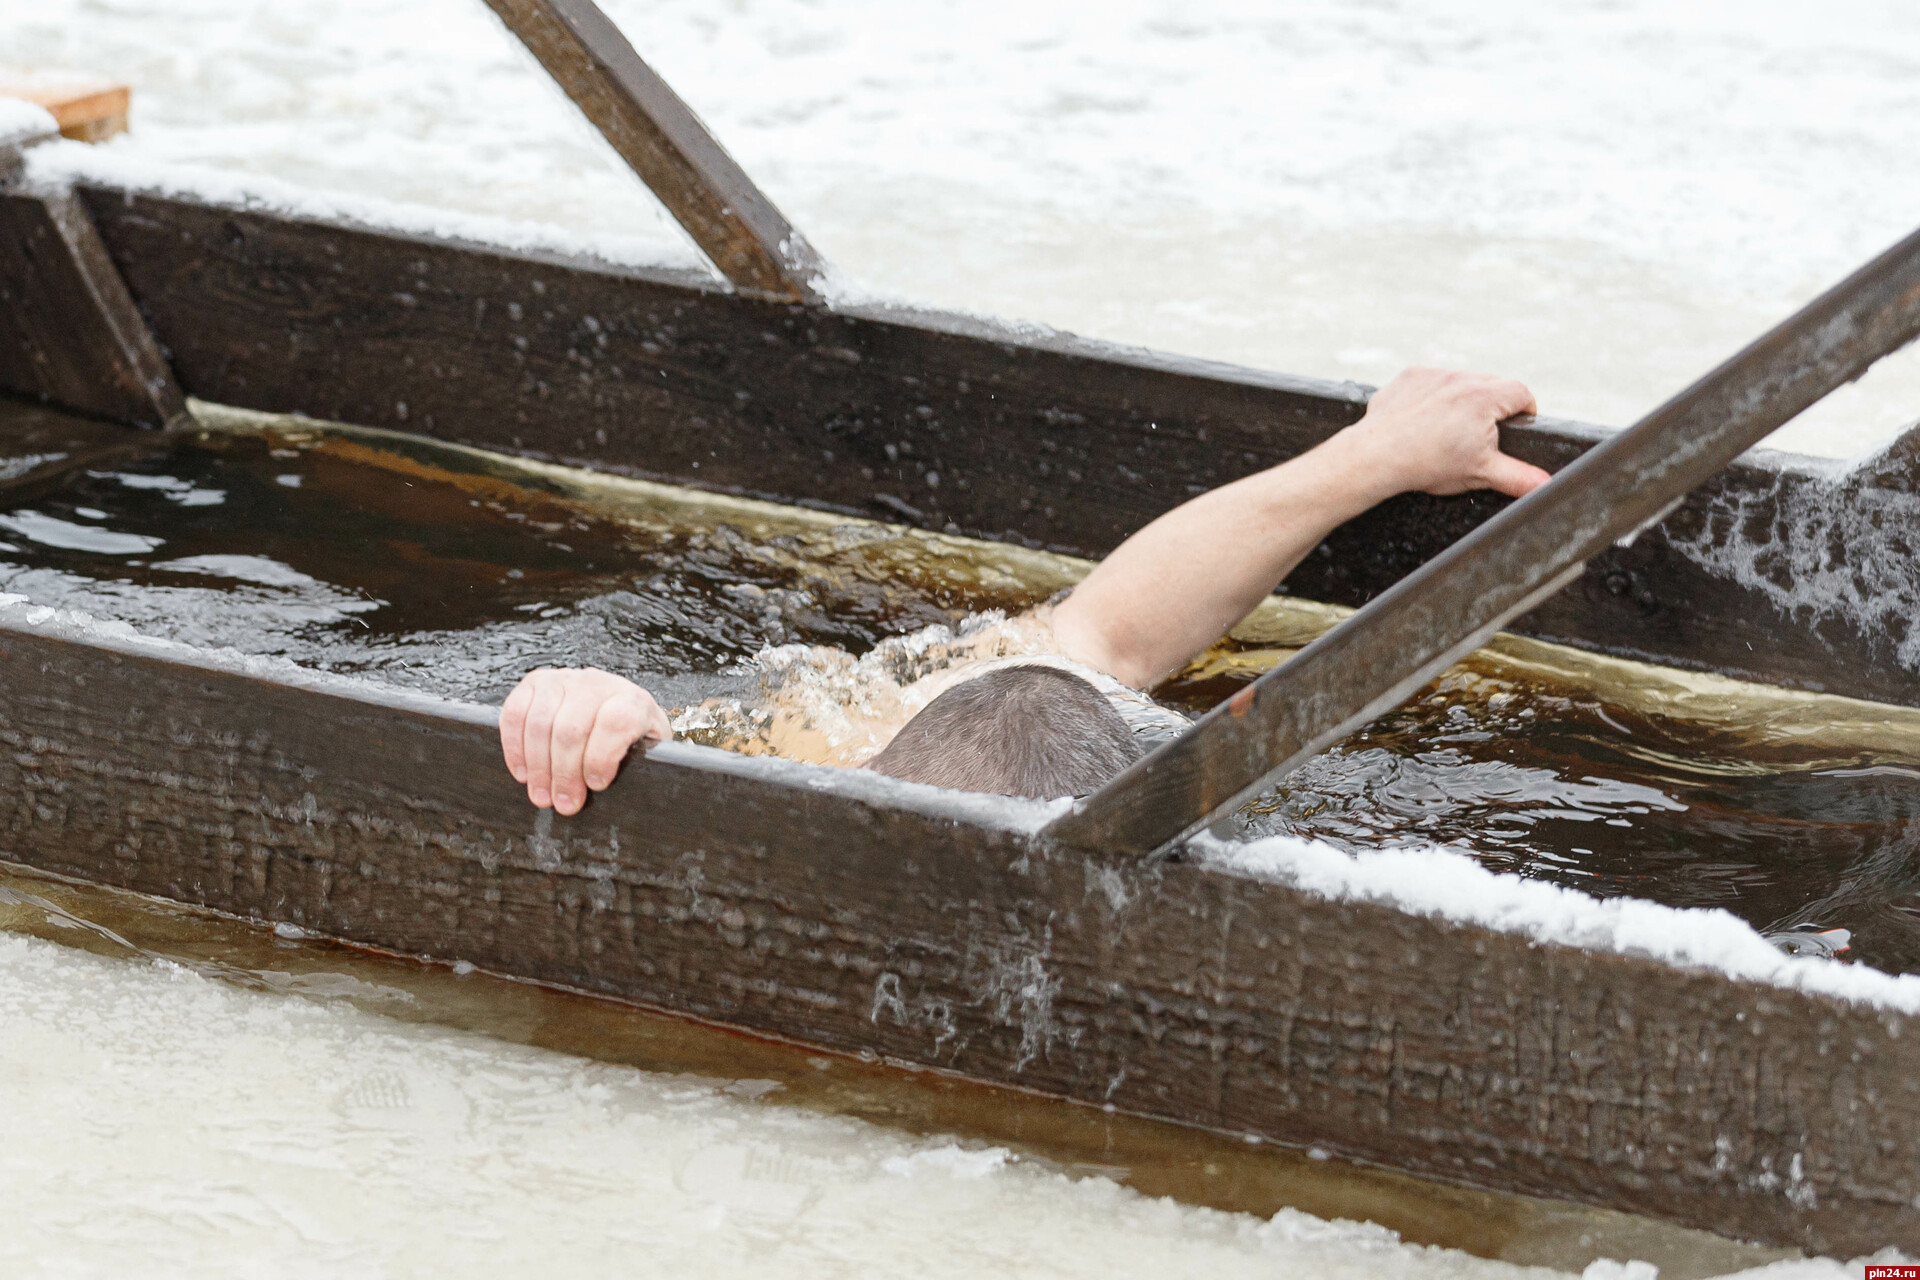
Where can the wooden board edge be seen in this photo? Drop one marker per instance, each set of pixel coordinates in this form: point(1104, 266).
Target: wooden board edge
point(857, 916)
point(73, 333)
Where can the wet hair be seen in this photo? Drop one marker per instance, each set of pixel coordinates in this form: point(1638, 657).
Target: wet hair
point(1020, 731)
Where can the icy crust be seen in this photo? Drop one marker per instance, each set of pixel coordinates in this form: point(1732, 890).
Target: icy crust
point(59, 162)
point(1434, 882)
point(20, 119)
point(162, 1124)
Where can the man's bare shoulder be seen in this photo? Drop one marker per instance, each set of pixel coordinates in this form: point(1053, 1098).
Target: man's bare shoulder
point(826, 706)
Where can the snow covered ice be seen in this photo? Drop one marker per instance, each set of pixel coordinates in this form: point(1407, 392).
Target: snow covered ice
point(1602, 199)
point(160, 1123)
point(163, 1124)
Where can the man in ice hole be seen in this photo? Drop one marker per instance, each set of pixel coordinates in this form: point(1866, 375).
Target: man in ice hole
point(1054, 707)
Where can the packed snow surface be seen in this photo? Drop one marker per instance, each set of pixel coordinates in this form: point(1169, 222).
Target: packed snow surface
point(1603, 198)
point(163, 1124)
point(21, 119)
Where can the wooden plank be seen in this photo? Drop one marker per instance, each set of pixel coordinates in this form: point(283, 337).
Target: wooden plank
point(1385, 653)
point(852, 912)
point(69, 331)
point(731, 219)
point(86, 108)
point(951, 423)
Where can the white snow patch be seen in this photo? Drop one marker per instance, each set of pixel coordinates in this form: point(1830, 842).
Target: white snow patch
point(1452, 886)
point(1609, 1269)
point(953, 1160)
point(22, 119)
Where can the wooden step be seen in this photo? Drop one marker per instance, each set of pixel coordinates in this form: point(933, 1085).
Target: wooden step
point(86, 107)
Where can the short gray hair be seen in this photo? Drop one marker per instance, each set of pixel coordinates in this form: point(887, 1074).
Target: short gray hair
point(1035, 731)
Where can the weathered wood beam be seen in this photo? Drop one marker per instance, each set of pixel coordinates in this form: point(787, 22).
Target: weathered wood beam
point(845, 910)
point(951, 423)
point(1382, 655)
point(70, 332)
point(732, 220)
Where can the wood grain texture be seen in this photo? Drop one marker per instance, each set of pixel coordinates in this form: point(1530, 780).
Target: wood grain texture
point(69, 331)
point(657, 134)
point(850, 912)
point(1776, 570)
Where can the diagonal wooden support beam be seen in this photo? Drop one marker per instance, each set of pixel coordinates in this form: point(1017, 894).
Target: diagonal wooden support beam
point(70, 333)
point(656, 133)
point(1455, 602)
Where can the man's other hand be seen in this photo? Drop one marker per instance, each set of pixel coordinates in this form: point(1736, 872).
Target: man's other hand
point(1436, 430)
point(564, 731)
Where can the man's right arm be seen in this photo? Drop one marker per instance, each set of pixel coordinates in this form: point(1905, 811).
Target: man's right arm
point(1180, 583)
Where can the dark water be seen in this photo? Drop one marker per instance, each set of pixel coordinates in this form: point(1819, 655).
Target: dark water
point(1549, 782)
point(433, 568)
point(454, 573)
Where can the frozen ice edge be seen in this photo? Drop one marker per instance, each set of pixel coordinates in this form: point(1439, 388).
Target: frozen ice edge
point(1442, 884)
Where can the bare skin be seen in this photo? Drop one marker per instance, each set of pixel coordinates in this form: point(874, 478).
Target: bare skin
point(565, 731)
point(1163, 596)
point(1182, 582)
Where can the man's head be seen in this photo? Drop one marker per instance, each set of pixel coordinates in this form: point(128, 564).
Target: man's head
point(1031, 731)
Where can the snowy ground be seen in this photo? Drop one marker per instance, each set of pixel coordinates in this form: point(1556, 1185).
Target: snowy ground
point(1601, 198)
point(307, 1139)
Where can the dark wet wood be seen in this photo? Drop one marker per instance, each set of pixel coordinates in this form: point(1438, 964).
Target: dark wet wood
point(1423, 624)
point(1771, 571)
point(69, 331)
point(850, 912)
point(730, 218)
